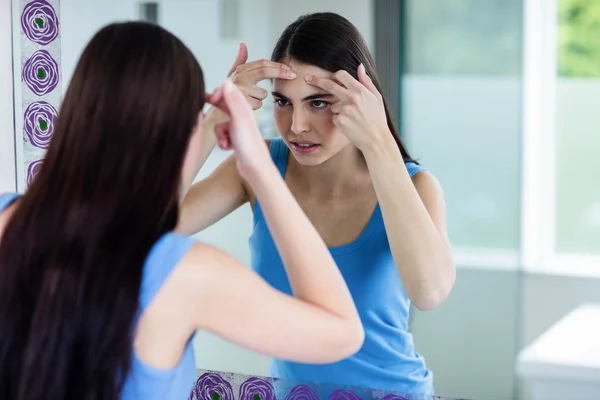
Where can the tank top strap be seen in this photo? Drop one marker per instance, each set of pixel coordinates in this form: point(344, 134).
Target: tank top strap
point(162, 259)
point(413, 168)
point(6, 199)
point(279, 154)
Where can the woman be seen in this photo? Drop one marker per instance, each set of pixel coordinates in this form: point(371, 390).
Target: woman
point(381, 214)
point(99, 298)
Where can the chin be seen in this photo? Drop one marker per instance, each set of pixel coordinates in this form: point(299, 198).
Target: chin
point(307, 157)
point(310, 161)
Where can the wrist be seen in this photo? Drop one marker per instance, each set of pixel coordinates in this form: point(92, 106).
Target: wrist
point(213, 117)
point(382, 144)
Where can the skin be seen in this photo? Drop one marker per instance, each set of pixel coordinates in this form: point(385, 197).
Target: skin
point(348, 174)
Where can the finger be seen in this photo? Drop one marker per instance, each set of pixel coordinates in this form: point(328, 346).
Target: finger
point(214, 97)
point(225, 144)
point(328, 85)
point(366, 80)
point(338, 120)
point(259, 74)
point(255, 103)
point(264, 63)
point(347, 80)
point(254, 91)
point(336, 108)
point(237, 106)
point(218, 101)
point(217, 95)
point(222, 133)
point(240, 59)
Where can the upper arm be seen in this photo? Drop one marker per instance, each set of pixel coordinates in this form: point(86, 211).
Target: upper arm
point(431, 194)
point(212, 199)
point(232, 301)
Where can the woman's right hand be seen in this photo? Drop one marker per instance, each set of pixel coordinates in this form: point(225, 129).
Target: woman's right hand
point(247, 75)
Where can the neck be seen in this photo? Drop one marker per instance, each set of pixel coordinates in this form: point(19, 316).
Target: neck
point(342, 173)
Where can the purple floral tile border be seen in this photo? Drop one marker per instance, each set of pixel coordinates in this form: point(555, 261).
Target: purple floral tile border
point(215, 385)
point(40, 73)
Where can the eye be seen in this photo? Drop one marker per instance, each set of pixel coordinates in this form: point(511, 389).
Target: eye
point(319, 104)
point(281, 103)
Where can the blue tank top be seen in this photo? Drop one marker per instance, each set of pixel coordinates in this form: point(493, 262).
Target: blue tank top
point(387, 359)
point(144, 381)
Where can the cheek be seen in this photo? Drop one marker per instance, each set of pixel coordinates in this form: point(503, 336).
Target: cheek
point(283, 119)
point(323, 123)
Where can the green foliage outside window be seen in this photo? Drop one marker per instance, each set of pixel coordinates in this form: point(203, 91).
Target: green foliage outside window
point(579, 38)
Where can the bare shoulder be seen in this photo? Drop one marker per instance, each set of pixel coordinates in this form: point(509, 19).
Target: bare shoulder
point(427, 184)
point(432, 195)
point(190, 292)
point(193, 278)
point(6, 215)
point(196, 267)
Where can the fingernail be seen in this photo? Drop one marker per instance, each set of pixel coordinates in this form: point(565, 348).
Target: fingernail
point(291, 74)
point(361, 66)
point(308, 78)
point(283, 66)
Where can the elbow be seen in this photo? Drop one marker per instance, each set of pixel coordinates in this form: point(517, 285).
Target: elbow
point(432, 296)
point(351, 341)
point(355, 343)
point(428, 303)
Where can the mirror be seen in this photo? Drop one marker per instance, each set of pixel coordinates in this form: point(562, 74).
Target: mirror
point(498, 99)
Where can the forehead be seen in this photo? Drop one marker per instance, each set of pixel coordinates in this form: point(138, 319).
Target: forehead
point(297, 88)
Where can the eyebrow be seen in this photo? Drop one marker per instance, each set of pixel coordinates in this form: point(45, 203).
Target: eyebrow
point(307, 98)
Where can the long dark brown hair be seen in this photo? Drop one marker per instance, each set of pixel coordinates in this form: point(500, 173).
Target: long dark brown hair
point(331, 42)
point(72, 255)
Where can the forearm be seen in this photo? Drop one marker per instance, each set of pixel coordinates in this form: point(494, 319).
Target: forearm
point(312, 272)
point(421, 254)
point(213, 117)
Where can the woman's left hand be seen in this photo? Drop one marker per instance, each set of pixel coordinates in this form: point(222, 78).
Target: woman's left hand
point(359, 111)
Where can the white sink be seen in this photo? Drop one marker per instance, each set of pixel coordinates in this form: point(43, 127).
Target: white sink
point(564, 362)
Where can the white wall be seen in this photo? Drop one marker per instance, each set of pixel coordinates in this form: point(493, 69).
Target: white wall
point(80, 19)
point(195, 22)
point(284, 12)
point(8, 182)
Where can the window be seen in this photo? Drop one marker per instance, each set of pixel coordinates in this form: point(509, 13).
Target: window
point(561, 197)
point(461, 117)
point(501, 101)
point(577, 127)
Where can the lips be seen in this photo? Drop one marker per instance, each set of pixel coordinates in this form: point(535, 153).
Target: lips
point(304, 146)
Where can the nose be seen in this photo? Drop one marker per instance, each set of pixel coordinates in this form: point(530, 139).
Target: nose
point(300, 123)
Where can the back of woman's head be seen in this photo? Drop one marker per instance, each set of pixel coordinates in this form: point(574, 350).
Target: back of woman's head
point(331, 42)
point(72, 254)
